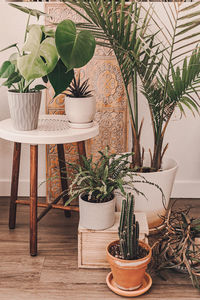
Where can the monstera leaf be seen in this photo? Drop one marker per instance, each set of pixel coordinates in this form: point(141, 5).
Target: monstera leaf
point(6, 69)
point(40, 56)
point(60, 78)
point(75, 48)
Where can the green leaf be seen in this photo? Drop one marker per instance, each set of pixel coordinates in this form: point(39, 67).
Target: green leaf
point(59, 78)
point(190, 103)
point(188, 7)
point(33, 12)
point(41, 57)
point(13, 78)
point(39, 87)
point(75, 48)
point(6, 69)
point(13, 58)
point(45, 79)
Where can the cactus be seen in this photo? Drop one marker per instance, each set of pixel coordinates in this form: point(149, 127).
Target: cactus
point(128, 230)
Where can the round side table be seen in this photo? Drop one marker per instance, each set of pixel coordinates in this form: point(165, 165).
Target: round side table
point(52, 129)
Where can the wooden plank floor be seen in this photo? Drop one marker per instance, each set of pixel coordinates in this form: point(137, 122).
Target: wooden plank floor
point(53, 274)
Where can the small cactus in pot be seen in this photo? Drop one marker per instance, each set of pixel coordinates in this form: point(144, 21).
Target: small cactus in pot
point(128, 230)
point(128, 257)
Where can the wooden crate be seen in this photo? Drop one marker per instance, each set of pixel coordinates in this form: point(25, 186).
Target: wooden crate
point(92, 243)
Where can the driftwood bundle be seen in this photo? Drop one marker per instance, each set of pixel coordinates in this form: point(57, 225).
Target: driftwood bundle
point(178, 246)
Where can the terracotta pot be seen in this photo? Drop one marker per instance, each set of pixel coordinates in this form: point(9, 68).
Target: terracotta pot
point(128, 274)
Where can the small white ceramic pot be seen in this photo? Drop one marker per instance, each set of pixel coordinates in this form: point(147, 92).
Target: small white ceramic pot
point(80, 110)
point(24, 109)
point(96, 216)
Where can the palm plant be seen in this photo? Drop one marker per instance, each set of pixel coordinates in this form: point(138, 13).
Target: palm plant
point(169, 71)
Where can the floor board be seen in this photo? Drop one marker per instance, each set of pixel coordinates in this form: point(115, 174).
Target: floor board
point(53, 274)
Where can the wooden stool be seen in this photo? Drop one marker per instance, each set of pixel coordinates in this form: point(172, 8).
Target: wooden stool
point(52, 129)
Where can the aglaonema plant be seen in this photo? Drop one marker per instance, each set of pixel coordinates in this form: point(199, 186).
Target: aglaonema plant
point(98, 180)
point(166, 58)
point(48, 54)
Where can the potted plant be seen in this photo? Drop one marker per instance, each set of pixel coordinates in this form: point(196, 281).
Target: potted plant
point(168, 68)
point(44, 55)
point(80, 105)
point(95, 183)
point(178, 247)
point(128, 257)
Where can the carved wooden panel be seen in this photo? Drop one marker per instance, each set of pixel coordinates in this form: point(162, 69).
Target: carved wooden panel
point(105, 80)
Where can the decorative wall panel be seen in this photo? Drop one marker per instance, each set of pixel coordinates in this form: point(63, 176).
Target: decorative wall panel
point(105, 80)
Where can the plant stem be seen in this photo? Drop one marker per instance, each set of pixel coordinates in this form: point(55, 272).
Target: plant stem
point(27, 85)
point(18, 50)
point(159, 139)
point(135, 99)
point(26, 31)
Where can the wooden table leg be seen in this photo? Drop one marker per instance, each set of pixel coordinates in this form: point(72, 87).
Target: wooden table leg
point(63, 175)
point(81, 150)
point(33, 198)
point(14, 185)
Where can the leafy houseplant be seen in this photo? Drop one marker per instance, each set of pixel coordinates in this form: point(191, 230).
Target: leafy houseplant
point(80, 105)
point(95, 183)
point(178, 247)
point(128, 257)
point(45, 55)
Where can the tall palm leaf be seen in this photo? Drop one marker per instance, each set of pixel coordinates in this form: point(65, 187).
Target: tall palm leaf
point(176, 80)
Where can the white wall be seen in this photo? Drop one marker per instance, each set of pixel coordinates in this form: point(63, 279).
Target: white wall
point(12, 26)
point(183, 135)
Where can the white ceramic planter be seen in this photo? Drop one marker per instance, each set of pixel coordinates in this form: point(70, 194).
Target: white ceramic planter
point(96, 216)
point(80, 111)
point(153, 205)
point(24, 109)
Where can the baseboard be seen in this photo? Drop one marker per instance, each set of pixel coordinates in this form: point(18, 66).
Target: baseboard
point(24, 188)
point(186, 189)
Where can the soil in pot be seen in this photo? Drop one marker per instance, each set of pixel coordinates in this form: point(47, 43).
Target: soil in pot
point(93, 198)
point(114, 250)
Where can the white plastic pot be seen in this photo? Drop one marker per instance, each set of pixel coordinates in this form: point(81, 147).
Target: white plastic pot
point(80, 111)
point(153, 205)
point(96, 216)
point(24, 109)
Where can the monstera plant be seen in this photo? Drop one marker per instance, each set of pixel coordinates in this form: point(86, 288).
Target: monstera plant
point(48, 54)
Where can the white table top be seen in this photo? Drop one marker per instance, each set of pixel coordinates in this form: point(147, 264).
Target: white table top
point(52, 129)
